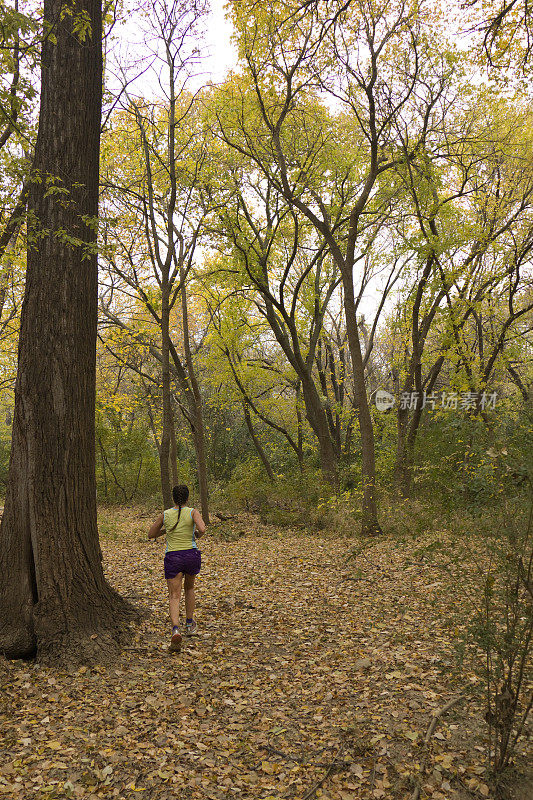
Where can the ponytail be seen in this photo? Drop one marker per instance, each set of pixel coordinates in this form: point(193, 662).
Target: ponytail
point(180, 495)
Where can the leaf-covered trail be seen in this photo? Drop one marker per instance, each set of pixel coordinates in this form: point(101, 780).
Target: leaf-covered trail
point(308, 672)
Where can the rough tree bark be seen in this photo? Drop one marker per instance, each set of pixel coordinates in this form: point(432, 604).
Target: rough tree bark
point(53, 595)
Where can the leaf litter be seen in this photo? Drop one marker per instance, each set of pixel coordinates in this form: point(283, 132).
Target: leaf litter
point(314, 675)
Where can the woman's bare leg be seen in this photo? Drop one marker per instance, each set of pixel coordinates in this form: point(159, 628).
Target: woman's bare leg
point(174, 597)
point(189, 596)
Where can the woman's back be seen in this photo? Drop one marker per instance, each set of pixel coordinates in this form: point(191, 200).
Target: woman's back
point(180, 533)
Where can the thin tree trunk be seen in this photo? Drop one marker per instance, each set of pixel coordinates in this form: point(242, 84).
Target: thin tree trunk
point(5, 277)
point(53, 594)
point(112, 471)
point(321, 367)
point(315, 411)
point(338, 394)
point(400, 464)
point(296, 446)
point(408, 426)
point(164, 450)
point(370, 524)
point(517, 380)
point(201, 465)
point(15, 221)
point(319, 423)
point(258, 446)
point(173, 450)
point(299, 423)
point(410, 439)
point(151, 422)
point(348, 437)
point(106, 494)
point(199, 432)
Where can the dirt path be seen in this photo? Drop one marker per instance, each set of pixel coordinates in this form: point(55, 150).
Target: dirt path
point(307, 673)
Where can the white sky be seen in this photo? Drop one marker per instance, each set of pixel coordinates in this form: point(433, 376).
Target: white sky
point(222, 52)
point(219, 55)
point(132, 44)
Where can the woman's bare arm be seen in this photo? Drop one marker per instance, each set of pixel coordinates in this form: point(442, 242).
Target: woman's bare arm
point(198, 521)
point(157, 528)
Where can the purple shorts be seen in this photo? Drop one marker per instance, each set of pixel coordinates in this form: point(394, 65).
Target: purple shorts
point(186, 561)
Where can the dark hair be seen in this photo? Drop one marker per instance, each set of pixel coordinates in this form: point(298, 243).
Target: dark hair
point(180, 495)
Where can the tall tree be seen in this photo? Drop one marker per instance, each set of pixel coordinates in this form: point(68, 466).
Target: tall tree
point(276, 257)
point(258, 378)
point(55, 596)
point(159, 188)
point(475, 237)
point(337, 174)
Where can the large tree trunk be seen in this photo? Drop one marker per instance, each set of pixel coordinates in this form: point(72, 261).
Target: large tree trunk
point(369, 523)
point(53, 595)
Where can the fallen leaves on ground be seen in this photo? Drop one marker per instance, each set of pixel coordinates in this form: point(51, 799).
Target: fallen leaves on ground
point(313, 676)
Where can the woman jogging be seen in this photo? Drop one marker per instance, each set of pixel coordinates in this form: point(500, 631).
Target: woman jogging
point(182, 525)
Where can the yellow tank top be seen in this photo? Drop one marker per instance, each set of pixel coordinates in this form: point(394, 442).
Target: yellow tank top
point(182, 536)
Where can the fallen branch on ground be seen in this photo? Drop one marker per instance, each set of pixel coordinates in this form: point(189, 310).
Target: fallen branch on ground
point(332, 767)
point(431, 730)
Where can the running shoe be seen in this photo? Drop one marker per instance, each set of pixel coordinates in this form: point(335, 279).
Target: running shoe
point(175, 642)
point(191, 628)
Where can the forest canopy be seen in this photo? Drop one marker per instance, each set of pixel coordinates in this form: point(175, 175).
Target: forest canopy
point(347, 213)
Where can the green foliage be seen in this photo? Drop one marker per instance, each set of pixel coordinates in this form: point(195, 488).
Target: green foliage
point(502, 628)
point(251, 489)
point(463, 462)
point(107, 525)
point(248, 487)
point(127, 466)
point(81, 22)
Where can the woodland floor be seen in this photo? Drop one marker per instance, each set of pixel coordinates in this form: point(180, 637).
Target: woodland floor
point(313, 676)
